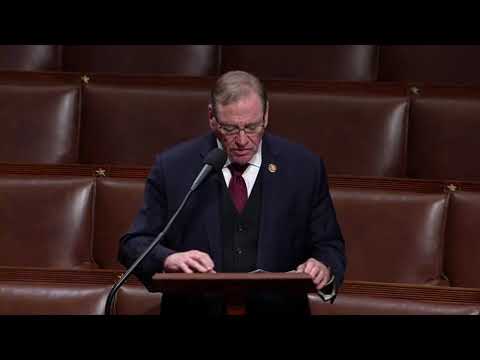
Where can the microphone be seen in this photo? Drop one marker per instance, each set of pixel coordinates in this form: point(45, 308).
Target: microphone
point(214, 160)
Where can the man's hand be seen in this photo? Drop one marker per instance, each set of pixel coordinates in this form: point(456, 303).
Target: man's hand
point(317, 270)
point(189, 262)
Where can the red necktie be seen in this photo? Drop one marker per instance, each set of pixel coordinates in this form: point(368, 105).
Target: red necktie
point(237, 186)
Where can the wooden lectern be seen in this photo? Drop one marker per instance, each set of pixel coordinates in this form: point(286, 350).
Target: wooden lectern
point(234, 286)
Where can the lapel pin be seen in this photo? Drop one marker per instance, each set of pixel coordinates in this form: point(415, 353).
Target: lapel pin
point(272, 168)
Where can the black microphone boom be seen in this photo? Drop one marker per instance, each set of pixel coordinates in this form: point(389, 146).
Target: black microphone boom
point(214, 160)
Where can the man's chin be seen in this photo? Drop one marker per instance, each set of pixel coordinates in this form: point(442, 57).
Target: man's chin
point(241, 159)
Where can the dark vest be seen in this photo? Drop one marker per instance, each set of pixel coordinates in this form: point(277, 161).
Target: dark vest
point(240, 231)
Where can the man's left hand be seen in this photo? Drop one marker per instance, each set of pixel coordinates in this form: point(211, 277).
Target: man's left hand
point(317, 270)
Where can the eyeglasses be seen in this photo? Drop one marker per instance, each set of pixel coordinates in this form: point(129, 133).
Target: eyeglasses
point(250, 129)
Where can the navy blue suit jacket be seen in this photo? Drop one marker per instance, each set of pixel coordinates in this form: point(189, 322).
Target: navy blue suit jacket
point(297, 222)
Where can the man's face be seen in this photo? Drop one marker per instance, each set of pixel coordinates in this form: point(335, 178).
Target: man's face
point(245, 114)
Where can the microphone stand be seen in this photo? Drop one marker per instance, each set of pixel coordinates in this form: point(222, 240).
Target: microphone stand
point(126, 275)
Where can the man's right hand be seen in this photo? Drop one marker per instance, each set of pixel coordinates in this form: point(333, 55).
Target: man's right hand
point(189, 262)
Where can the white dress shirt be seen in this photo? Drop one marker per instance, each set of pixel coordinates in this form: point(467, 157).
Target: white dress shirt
point(251, 172)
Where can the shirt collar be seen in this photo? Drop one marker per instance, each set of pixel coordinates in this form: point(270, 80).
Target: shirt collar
point(256, 159)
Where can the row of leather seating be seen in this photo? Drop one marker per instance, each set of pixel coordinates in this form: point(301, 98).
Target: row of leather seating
point(41, 291)
point(453, 63)
point(364, 129)
point(398, 231)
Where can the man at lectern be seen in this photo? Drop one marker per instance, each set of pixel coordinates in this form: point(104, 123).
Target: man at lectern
point(269, 208)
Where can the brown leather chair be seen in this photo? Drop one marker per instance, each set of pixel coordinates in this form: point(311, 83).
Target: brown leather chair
point(30, 57)
point(199, 60)
point(54, 291)
point(309, 62)
point(442, 132)
point(391, 235)
point(136, 300)
point(39, 119)
point(356, 129)
point(46, 221)
point(128, 122)
point(462, 248)
point(346, 304)
point(430, 63)
point(33, 298)
point(117, 202)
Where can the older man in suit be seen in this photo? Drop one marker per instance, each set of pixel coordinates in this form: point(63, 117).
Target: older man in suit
point(270, 208)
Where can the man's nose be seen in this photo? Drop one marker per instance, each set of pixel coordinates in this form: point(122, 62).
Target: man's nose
point(242, 138)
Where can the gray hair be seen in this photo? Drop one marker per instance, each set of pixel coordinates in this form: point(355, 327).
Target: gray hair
point(235, 85)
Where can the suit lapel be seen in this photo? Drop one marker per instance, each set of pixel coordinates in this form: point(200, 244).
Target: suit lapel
point(271, 189)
